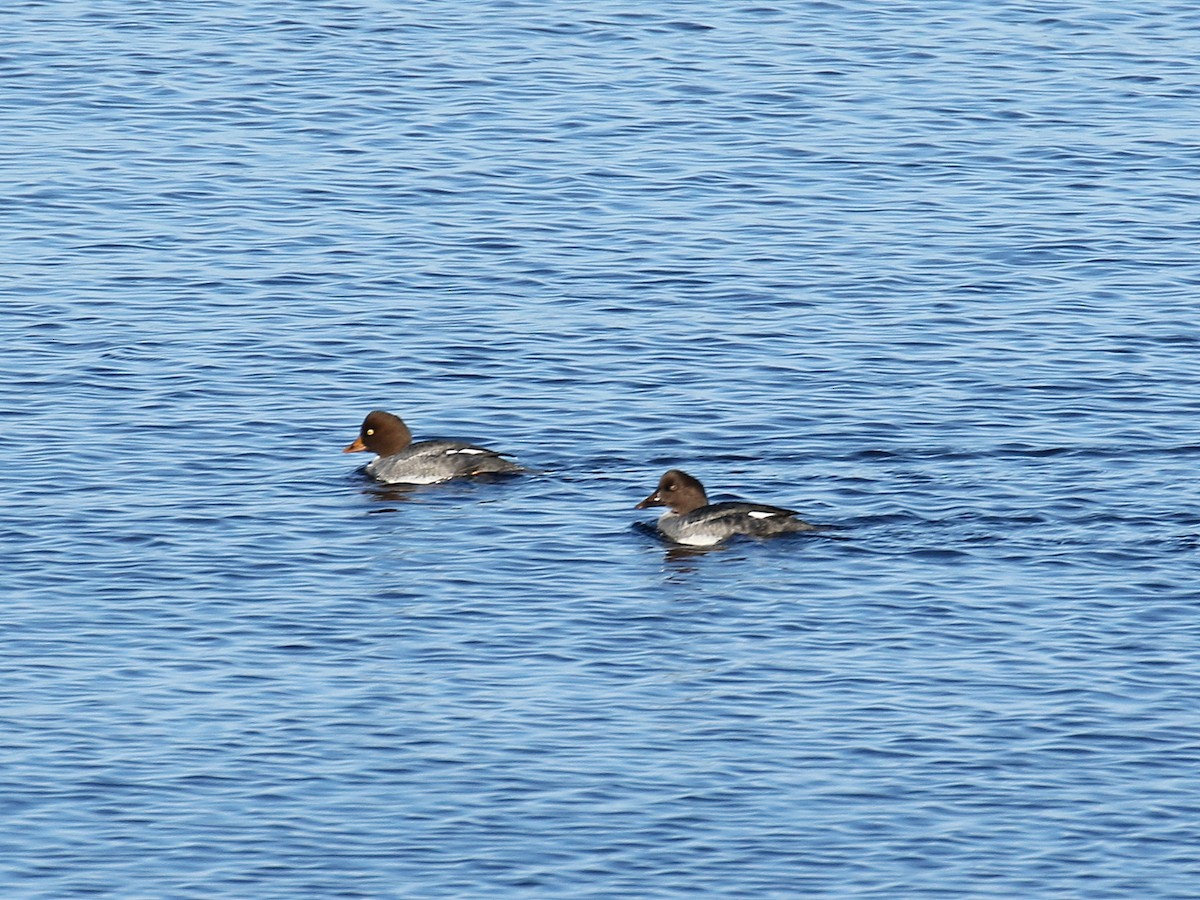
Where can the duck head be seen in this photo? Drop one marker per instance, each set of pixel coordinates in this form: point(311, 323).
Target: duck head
point(381, 433)
point(678, 491)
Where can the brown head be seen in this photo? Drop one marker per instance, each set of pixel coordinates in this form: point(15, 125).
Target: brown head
point(679, 491)
point(381, 433)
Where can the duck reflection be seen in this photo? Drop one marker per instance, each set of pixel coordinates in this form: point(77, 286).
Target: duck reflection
point(390, 493)
point(672, 552)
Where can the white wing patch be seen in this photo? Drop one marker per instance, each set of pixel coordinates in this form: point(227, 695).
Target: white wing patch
point(469, 451)
point(761, 514)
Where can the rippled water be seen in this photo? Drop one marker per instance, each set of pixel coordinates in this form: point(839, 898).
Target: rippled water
point(926, 272)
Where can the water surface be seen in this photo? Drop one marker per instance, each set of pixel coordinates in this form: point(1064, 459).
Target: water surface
point(924, 272)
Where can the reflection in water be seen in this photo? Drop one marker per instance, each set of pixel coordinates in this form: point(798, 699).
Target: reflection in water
point(679, 553)
point(683, 552)
point(400, 492)
point(675, 553)
point(391, 493)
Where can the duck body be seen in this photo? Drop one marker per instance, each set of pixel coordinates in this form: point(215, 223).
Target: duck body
point(400, 461)
point(690, 519)
point(718, 522)
point(431, 462)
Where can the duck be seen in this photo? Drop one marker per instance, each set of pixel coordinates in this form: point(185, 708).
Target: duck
point(399, 461)
point(691, 520)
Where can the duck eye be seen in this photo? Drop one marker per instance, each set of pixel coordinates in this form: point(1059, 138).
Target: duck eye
point(370, 431)
point(672, 487)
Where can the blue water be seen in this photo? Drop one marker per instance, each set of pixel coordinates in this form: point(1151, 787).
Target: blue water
point(927, 272)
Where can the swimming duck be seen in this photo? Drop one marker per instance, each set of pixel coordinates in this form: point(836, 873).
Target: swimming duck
point(400, 461)
point(691, 519)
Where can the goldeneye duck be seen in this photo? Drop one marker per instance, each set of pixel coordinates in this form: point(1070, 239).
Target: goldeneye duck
point(400, 461)
point(691, 519)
